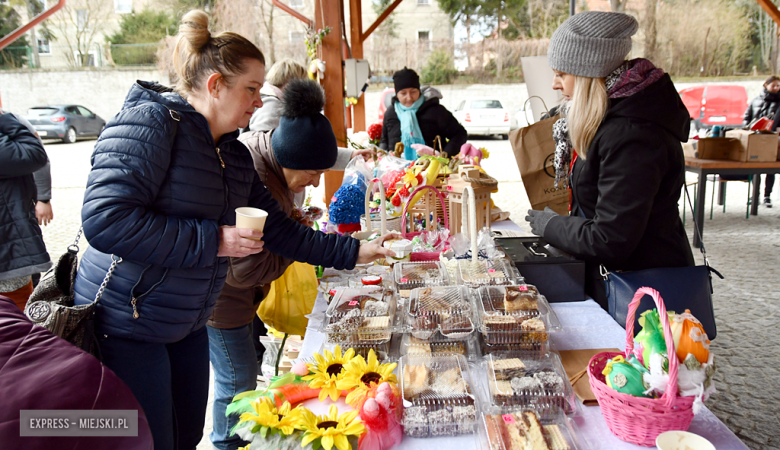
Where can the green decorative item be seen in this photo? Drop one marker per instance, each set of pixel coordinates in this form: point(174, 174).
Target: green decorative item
point(624, 377)
point(652, 335)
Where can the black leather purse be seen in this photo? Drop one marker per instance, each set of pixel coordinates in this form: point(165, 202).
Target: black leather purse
point(681, 288)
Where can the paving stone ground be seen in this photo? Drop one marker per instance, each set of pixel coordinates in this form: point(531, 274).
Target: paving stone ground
point(745, 251)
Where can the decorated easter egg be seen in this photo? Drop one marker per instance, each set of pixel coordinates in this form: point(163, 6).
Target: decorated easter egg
point(624, 377)
point(689, 337)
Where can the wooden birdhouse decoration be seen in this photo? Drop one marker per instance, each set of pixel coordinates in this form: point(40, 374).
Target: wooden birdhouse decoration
point(469, 176)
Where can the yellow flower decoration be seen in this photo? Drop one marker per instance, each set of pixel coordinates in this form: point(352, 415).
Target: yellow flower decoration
point(331, 429)
point(485, 153)
point(410, 178)
point(362, 376)
point(268, 418)
point(246, 447)
point(327, 371)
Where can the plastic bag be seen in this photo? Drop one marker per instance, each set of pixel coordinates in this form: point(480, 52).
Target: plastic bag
point(357, 173)
point(268, 364)
point(486, 246)
point(290, 299)
point(389, 167)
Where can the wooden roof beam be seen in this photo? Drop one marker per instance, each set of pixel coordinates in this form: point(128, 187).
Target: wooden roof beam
point(7, 40)
point(770, 9)
point(389, 10)
point(293, 13)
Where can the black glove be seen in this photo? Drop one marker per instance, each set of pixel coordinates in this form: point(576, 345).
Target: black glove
point(540, 219)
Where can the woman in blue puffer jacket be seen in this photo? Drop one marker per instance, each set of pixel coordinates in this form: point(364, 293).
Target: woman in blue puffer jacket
point(167, 175)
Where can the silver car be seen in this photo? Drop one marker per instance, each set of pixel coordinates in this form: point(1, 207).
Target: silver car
point(66, 122)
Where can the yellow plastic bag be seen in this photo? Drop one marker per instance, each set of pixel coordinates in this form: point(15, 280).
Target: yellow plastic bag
point(290, 299)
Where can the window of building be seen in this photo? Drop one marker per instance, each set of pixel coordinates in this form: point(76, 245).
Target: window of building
point(91, 59)
point(123, 6)
point(297, 37)
point(296, 3)
point(82, 18)
point(424, 2)
point(43, 47)
point(424, 35)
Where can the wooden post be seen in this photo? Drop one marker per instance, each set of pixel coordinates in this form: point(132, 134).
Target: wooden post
point(327, 13)
point(356, 41)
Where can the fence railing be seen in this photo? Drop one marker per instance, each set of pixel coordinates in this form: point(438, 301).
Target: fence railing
point(60, 56)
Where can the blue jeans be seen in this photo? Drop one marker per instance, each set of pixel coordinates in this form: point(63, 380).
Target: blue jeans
point(170, 381)
point(234, 361)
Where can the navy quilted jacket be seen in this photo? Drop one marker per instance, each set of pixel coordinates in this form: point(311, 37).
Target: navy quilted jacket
point(158, 200)
point(22, 251)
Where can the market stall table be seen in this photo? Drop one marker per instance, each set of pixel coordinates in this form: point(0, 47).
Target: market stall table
point(585, 325)
point(704, 167)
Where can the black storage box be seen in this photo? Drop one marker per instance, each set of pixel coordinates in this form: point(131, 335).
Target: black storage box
point(559, 277)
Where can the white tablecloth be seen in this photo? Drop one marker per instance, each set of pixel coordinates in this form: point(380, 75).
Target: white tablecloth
point(585, 325)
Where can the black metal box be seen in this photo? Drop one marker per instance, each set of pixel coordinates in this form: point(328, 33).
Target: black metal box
point(559, 277)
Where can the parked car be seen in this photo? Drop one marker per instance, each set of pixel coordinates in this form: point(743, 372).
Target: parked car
point(385, 101)
point(66, 122)
point(715, 104)
point(484, 116)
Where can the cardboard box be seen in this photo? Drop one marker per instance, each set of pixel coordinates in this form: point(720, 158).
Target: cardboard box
point(689, 148)
point(724, 148)
point(754, 147)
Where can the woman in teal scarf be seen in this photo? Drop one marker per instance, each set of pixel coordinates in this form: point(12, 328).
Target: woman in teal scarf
point(417, 118)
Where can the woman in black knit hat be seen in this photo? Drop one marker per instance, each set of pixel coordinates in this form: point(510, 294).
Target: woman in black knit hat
point(417, 117)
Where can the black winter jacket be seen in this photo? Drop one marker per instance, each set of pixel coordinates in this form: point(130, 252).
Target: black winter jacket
point(157, 200)
point(625, 194)
point(764, 105)
point(434, 120)
point(22, 251)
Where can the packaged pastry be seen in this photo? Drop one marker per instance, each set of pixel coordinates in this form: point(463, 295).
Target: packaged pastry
point(514, 314)
point(516, 378)
point(489, 272)
point(411, 275)
point(440, 313)
point(412, 346)
point(528, 429)
point(361, 317)
point(437, 395)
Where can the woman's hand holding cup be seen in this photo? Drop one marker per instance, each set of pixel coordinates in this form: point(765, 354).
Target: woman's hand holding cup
point(239, 242)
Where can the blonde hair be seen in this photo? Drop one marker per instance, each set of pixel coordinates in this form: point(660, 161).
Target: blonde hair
point(198, 54)
point(585, 112)
point(284, 71)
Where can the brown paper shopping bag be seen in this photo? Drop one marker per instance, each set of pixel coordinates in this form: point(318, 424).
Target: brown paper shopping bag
point(534, 149)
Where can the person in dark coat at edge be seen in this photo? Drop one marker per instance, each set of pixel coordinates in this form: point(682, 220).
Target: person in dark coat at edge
point(22, 250)
point(626, 121)
point(162, 198)
point(417, 117)
point(766, 105)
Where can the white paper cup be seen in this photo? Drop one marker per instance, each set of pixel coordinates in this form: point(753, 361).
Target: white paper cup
point(682, 440)
point(252, 218)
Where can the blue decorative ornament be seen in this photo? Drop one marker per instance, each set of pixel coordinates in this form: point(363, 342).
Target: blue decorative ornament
point(348, 203)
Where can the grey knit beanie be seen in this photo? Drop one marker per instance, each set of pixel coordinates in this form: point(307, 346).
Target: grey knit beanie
point(591, 43)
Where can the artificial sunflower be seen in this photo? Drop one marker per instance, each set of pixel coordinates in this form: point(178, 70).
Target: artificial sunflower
point(361, 376)
point(267, 417)
point(327, 371)
point(330, 429)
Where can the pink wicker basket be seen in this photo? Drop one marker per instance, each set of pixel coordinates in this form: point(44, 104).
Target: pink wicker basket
point(423, 256)
point(640, 420)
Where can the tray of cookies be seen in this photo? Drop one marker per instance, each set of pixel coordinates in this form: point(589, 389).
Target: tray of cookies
point(530, 348)
point(412, 346)
point(361, 316)
point(438, 396)
point(412, 275)
point(486, 272)
point(513, 428)
point(514, 314)
point(515, 379)
point(440, 313)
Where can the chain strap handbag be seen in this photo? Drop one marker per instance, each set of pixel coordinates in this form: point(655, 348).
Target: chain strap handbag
point(51, 304)
point(682, 288)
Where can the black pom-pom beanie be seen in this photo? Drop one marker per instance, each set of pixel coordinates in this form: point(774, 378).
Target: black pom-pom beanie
point(304, 139)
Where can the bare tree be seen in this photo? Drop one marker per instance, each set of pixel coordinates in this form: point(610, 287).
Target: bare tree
point(618, 5)
point(79, 23)
point(651, 31)
point(267, 17)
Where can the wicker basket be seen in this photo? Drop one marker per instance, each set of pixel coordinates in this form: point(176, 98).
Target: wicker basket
point(640, 420)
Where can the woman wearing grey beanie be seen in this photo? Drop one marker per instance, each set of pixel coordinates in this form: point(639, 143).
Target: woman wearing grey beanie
point(618, 150)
